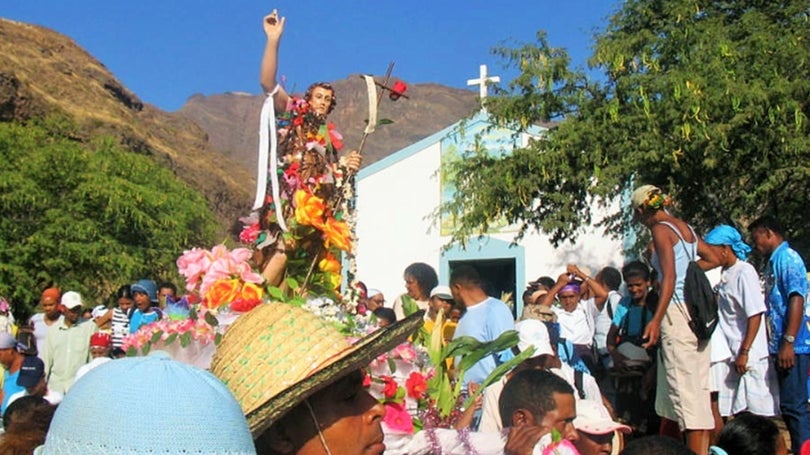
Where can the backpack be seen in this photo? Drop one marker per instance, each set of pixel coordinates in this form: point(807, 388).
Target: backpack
point(698, 294)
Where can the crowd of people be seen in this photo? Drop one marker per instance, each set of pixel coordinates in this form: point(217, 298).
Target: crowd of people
point(608, 362)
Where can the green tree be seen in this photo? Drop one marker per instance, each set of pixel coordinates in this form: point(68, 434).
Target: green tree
point(708, 99)
point(88, 217)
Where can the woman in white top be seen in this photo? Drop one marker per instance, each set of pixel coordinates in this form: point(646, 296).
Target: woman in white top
point(747, 380)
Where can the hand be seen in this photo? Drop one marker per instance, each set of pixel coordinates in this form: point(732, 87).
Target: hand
point(472, 388)
point(651, 334)
point(522, 439)
point(273, 26)
point(786, 357)
point(352, 161)
point(618, 359)
point(564, 278)
point(741, 364)
point(572, 269)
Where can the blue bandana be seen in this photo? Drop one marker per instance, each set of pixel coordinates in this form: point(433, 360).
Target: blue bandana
point(727, 235)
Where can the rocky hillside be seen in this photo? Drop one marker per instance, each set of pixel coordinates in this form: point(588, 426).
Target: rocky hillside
point(43, 72)
point(232, 119)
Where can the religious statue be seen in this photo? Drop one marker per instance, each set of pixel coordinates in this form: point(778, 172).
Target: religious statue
point(300, 225)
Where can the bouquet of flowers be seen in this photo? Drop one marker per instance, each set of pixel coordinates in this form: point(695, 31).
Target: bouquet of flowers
point(221, 285)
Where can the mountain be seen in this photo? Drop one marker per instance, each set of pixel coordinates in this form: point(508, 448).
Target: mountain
point(43, 72)
point(232, 119)
point(211, 142)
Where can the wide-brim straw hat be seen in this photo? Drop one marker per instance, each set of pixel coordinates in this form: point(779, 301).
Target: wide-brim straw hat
point(278, 355)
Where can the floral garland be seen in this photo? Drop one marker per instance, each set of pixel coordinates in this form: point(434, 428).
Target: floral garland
point(318, 231)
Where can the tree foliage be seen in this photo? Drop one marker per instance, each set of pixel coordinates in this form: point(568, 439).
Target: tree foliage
point(708, 99)
point(88, 217)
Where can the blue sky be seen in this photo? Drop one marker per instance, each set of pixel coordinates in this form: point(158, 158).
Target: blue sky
point(168, 50)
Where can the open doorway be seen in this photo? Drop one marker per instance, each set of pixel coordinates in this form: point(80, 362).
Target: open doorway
point(498, 275)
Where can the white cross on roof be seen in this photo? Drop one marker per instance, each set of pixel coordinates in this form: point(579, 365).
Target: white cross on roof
point(482, 83)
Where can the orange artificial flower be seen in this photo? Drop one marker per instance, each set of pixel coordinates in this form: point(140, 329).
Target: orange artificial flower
point(252, 291)
point(329, 264)
point(336, 233)
point(308, 209)
point(221, 292)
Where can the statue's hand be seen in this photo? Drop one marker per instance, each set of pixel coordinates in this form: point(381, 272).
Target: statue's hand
point(352, 161)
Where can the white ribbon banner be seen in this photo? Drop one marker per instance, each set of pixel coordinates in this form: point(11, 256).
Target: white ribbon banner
point(268, 141)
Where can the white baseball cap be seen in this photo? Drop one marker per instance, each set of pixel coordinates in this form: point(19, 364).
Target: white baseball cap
point(532, 332)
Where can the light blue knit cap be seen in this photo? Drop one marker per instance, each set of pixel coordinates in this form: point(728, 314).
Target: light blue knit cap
point(151, 405)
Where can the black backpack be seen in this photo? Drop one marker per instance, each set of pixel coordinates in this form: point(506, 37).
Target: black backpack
point(698, 294)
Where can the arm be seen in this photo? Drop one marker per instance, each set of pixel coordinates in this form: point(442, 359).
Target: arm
point(708, 259)
point(103, 319)
point(618, 358)
point(751, 329)
point(786, 356)
point(663, 238)
point(597, 291)
point(273, 28)
point(548, 299)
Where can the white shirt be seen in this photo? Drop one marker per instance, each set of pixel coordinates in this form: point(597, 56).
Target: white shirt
point(41, 329)
point(491, 414)
point(50, 396)
point(603, 320)
point(740, 297)
point(577, 326)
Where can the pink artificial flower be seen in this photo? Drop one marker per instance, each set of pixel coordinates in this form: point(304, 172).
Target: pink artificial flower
point(405, 351)
point(192, 265)
point(397, 418)
point(561, 447)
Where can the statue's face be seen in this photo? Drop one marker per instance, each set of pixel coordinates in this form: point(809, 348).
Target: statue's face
point(320, 100)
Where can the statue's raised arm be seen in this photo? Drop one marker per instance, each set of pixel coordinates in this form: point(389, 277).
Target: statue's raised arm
point(273, 29)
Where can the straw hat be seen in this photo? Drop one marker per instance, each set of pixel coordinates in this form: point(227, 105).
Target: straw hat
point(277, 355)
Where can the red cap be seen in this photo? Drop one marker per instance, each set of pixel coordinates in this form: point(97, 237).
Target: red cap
point(100, 340)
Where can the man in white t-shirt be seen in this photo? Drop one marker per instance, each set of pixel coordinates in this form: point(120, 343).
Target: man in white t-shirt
point(41, 323)
point(534, 333)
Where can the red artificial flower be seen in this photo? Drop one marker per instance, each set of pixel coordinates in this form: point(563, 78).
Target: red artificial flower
point(366, 380)
point(390, 389)
point(397, 90)
point(250, 233)
point(335, 137)
point(416, 385)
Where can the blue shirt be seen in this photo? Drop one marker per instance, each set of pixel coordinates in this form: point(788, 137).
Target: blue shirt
point(786, 274)
point(633, 316)
point(10, 387)
point(485, 322)
point(140, 319)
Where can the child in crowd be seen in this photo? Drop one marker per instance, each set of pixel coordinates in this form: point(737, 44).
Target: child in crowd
point(633, 365)
point(385, 316)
